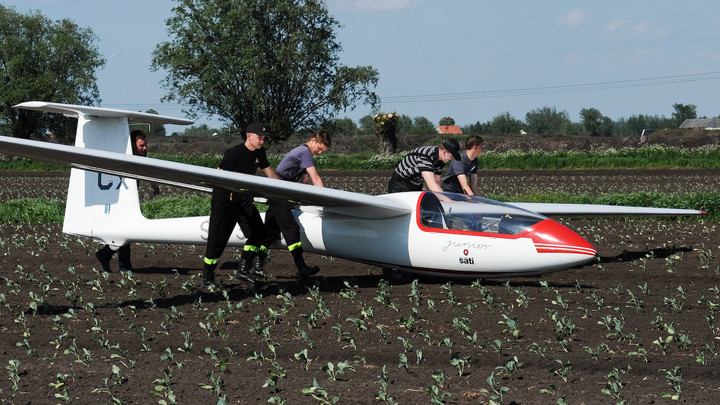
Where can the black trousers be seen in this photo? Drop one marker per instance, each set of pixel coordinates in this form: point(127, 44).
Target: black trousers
point(398, 184)
point(223, 217)
point(279, 219)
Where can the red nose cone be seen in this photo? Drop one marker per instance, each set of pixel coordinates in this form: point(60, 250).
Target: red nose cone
point(552, 237)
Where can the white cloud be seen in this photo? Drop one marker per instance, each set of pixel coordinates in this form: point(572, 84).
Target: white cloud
point(574, 18)
point(646, 29)
point(622, 28)
point(373, 5)
point(617, 27)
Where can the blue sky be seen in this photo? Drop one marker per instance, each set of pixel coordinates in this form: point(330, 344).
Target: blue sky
point(467, 59)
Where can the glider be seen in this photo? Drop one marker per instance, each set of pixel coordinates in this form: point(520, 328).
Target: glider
point(439, 234)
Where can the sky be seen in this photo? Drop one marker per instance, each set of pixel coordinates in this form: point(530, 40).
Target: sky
point(467, 59)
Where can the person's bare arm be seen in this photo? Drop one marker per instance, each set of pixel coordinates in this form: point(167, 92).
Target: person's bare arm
point(465, 185)
point(474, 184)
point(432, 180)
point(270, 172)
point(314, 176)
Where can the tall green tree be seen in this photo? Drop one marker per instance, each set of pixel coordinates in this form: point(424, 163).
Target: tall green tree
point(367, 124)
point(343, 126)
point(422, 125)
point(44, 60)
point(272, 60)
point(505, 123)
point(684, 112)
point(596, 124)
point(547, 120)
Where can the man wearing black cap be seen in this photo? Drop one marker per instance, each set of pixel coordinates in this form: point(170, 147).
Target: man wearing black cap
point(230, 208)
point(423, 163)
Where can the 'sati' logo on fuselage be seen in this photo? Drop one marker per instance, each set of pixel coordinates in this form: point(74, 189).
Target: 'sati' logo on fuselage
point(467, 260)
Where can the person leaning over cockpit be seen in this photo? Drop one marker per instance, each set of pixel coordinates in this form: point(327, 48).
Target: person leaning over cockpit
point(461, 177)
point(424, 163)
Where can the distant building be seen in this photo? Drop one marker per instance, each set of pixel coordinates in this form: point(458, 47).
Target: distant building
point(449, 130)
point(705, 123)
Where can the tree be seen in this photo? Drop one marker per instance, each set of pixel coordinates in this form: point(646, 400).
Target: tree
point(478, 128)
point(272, 60)
point(446, 121)
point(505, 123)
point(547, 120)
point(404, 125)
point(684, 112)
point(156, 129)
point(45, 60)
point(596, 124)
point(200, 130)
point(344, 126)
point(422, 125)
point(366, 124)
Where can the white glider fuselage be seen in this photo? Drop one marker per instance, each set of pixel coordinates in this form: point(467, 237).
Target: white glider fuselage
point(471, 244)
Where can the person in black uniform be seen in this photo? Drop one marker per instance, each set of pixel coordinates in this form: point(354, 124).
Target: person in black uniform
point(423, 163)
point(138, 144)
point(298, 165)
point(230, 208)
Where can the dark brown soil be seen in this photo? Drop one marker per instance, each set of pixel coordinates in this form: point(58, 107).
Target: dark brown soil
point(637, 325)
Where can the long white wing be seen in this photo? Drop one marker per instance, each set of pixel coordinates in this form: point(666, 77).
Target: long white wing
point(204, 178)
point(332, 201)
point(591, 210)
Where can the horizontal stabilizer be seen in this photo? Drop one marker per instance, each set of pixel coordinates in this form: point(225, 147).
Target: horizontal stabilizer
point(75, 110)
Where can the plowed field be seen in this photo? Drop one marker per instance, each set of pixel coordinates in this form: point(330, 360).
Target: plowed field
point(637, 325)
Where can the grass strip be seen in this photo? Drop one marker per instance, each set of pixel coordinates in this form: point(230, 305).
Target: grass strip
point(37, 210)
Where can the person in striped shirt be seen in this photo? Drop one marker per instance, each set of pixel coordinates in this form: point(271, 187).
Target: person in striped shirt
point(424, 163)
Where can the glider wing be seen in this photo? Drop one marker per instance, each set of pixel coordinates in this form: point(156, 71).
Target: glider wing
point(204, 178)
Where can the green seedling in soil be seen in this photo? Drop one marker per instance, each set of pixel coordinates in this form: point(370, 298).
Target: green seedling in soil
point(511, 325)
point(460, 362)
point(564, 370)
point(437, 397)
point(675, 380)
point(334, 371)
point(320, 394)
point(383, 381)
point(614, 382)
point(497, 392)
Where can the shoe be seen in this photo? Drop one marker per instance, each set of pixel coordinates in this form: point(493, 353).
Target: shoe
point(257, 271)
point(306, 272)
point(243, 271)
point(104, 255)
point(209, 285)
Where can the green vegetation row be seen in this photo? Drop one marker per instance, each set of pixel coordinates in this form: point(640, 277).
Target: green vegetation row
point(652, 156)
point(36, 210)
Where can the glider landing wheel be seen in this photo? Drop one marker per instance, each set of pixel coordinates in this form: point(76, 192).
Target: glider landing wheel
point(395, 275)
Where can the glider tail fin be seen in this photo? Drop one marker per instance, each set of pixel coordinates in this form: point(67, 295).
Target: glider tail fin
point(101, 205)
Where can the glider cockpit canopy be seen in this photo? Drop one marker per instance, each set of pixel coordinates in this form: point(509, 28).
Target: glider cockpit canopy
point(461, 212)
